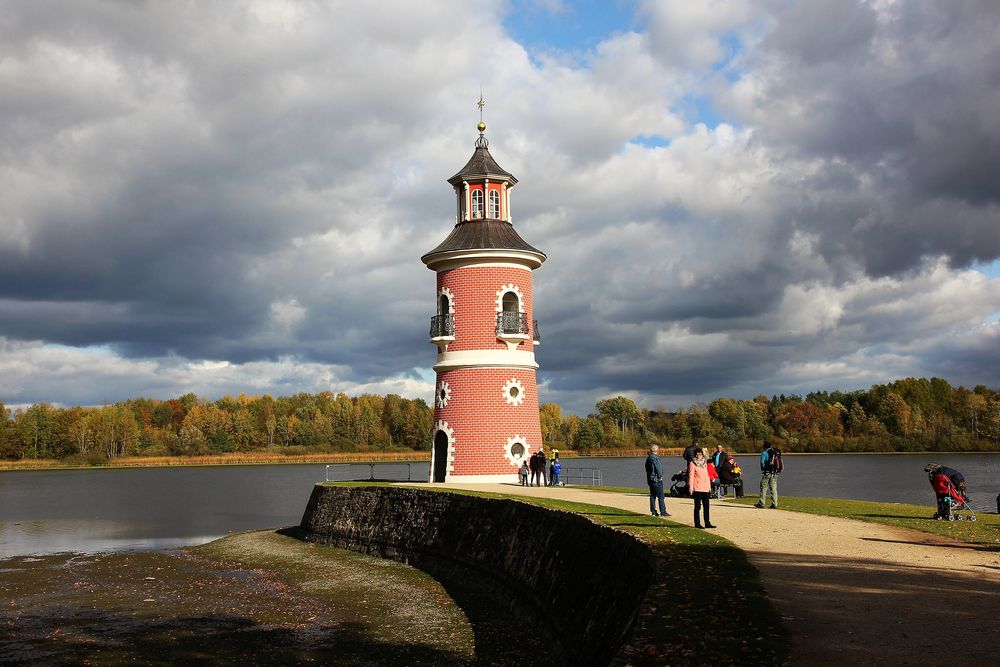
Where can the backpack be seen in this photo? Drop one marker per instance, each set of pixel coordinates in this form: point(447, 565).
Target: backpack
point(774, 461)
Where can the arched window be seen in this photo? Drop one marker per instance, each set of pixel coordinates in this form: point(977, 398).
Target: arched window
point(511, 304)
point(477, 203)
point(494, 205)
point(444, 306)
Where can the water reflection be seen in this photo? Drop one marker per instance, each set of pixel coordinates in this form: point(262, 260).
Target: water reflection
point(161, 508)
point(50, 536)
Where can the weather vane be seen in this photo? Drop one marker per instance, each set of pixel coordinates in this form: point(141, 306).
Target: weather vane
point(481, 103)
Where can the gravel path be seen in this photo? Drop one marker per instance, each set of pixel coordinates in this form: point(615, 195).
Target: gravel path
point(850, 591)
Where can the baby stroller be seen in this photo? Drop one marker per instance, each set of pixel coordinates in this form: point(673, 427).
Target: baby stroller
point(949, 487)
point(680, 484)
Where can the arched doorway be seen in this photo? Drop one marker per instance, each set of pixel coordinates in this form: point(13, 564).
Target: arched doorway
point(440, 456)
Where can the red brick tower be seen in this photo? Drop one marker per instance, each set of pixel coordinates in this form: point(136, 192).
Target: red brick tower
point(486, 399)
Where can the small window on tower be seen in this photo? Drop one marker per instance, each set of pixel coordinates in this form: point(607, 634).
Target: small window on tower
point(511, 304)
point(494, 205)
point(477, 203)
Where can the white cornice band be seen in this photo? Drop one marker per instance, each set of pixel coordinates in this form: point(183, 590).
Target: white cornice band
point(486, 359)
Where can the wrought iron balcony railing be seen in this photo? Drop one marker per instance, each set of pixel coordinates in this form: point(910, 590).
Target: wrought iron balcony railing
point(509, 323)
point(442, 325)
point(536, 335)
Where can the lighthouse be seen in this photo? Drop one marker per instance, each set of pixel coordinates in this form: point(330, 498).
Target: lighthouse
point(486, 419)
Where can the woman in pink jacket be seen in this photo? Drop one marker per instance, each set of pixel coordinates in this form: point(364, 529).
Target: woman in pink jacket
point(701, 486)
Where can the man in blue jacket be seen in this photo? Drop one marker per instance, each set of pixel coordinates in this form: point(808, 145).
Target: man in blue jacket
point(654, 478)
point(770, 468)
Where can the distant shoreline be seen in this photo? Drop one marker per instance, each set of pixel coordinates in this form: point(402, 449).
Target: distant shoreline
point(372, 457)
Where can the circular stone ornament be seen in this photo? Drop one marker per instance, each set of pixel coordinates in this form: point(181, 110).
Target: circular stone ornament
point(513, 392)
point(516, 451)
point(443, 394)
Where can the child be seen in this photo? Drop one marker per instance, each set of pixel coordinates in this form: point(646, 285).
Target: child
point(524, 473)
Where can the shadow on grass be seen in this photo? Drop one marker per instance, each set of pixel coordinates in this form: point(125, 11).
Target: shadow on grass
point(946, 545)
point(865, 612)
point(69, 635)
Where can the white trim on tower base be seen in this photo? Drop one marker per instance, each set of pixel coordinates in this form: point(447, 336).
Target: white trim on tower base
point(482, 479)
point(486, 359)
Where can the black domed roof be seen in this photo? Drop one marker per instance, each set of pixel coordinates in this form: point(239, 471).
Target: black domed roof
point(481, 165)
point(483, 235)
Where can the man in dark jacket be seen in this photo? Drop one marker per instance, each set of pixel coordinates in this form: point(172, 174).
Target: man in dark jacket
point(689, 451)
point(654, 478)
point(538, 472)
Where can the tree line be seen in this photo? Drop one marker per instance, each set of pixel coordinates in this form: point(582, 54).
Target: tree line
point(906, 415)
point(192, 426)
point(914, 414)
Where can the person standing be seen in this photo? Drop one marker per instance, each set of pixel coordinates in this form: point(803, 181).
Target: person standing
point(533, 465)
point(701, 487)
point(524, 471)
point(719, 457)
point(542, 465)
point(555, 472)
point(654, 478)
point(770, 467)
point(689, 451)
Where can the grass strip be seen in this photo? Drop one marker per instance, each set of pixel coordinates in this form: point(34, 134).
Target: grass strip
point(985, 531)
point(707, 605)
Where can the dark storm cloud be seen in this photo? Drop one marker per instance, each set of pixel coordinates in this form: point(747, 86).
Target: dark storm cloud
point(163, 157)
point(904, 97)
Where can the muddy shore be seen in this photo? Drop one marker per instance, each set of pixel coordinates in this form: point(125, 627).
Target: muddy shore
point(253, 598)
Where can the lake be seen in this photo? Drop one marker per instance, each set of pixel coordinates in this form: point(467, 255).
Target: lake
point(49, 511)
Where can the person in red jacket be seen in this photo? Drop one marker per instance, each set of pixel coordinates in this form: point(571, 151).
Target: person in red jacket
point(713, 477)
point(701, 487)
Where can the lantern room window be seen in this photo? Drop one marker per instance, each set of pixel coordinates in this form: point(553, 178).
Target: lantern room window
point(494, 205)
point(477, 203)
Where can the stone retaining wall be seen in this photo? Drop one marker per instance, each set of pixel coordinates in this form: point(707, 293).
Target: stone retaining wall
point(584, 580)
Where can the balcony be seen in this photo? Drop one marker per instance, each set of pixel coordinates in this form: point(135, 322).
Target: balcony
point(442, 330)
point(536, 334)
point(512, 328)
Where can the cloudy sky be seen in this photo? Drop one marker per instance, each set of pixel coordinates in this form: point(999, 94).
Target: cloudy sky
point(736, 196)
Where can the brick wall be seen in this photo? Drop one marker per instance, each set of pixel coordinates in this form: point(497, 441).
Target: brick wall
point(474, 289)
point(585, 582)
point(483, 420)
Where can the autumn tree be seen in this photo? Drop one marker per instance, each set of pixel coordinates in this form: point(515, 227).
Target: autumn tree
point(550, 415)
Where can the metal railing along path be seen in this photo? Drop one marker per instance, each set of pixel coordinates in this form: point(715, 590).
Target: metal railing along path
point(380, 472)
point(583, 476)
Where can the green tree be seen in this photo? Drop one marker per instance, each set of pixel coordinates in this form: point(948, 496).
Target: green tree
point(620, 410)
point(34, 429)
point(589, 434)
point(9, 446)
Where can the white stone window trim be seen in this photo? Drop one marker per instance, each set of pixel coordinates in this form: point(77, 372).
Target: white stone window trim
point(444, 291)
point(510, 288)
point(493, 201)
point(442, 425)
point(443, 394)
point(509, 455)
point(513, 397)
point(478, 205)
